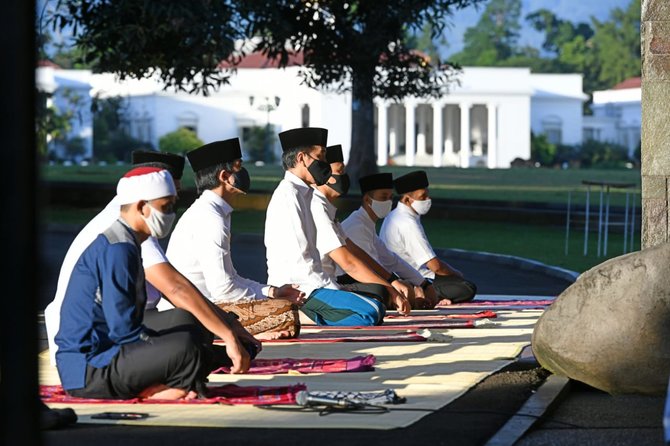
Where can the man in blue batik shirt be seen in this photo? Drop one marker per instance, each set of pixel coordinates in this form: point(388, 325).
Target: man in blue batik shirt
point(105, 349)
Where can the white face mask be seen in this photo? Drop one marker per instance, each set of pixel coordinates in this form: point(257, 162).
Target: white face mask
point(381, 208)
point(159, 223)
point(421, 206)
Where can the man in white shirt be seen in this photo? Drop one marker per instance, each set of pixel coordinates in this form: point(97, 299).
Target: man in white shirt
point(368, 277)
point(403, 233)
point(199, 247)
point(360, 228)
point(291, 236)
point(161, 277)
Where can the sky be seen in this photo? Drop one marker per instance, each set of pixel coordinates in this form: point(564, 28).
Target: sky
point(572, 10)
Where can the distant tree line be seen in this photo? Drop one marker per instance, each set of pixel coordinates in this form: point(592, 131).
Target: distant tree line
point(365, 47)
point(606, 52)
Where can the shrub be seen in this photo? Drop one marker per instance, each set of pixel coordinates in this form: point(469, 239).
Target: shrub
point(258, 142)
point(603, 154)
point(180, 141)
point(118, 146)
point(75, 147)
point(567, 155)
point(541, 150)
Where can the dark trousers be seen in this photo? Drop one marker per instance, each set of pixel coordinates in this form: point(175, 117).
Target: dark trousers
point(175, 351)
point(454, 288)
point(169, 321)
point(373, 290)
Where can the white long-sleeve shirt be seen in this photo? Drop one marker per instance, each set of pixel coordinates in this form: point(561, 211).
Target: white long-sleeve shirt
point(329, 234)
point(290, 238)
point(360, 229)
point(199, 248)
point(403, 233)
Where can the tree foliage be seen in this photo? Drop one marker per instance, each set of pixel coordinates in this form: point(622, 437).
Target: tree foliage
point(347, 45)
point(606, 52)
point(51, 124)
point(358, 46)
point(495, 35)
point(183, 43)
point(616, 44)
point(179, 141)
point(111, 141)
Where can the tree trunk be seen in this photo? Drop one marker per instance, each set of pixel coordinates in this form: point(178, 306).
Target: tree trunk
point(362, 157)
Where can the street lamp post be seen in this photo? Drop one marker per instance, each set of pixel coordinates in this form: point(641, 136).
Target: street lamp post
point(267, 106)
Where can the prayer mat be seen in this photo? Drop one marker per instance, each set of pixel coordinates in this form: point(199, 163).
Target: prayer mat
point(349, 336)
point(428, 375)
point(500, 303)
point(395, 325)
point(229, 394)
point(437, 317)
point(308, 365)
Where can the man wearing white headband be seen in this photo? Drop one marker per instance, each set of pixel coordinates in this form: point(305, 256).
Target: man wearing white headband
point(162, 279)
point(105, 348)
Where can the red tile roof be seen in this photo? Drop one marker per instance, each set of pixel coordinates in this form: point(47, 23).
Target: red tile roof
point(258, 60)
point(47, 63)
point(633, 82)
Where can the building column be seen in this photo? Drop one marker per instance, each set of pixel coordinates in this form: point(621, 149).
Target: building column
point(449, 131)
point(382, 134)
point(410, 108)
point(492, 136)
point(421, 133)
point(438, 139)
point(394, 127)
point(465, 134)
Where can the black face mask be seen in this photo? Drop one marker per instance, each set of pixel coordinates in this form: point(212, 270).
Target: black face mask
point(341, 184)
point(241, 180)
point(320, 171)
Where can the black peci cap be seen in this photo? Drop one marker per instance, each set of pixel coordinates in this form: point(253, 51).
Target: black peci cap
point(411, 182)
point(303, 137)
point(334, 154)
point(174, 162)
point(214, 153)
point(376, 181)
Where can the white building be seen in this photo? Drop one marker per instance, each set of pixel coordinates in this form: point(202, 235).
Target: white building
point(617, 115)
point(485, 120)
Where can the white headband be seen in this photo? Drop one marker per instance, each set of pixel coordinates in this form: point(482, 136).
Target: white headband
point(145, 183)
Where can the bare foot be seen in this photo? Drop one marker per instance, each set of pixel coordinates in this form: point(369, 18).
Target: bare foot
point(271, 335)
point(444, 302)
point(163, 392)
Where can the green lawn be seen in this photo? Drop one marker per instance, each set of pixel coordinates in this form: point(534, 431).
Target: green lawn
point(542, 243)
point(522, 184)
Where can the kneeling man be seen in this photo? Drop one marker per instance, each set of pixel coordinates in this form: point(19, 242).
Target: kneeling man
point(403, 233)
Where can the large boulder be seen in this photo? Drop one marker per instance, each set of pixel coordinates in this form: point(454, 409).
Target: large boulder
point(611, 328)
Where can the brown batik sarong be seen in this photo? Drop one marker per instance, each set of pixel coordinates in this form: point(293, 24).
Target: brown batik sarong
point(268, 315)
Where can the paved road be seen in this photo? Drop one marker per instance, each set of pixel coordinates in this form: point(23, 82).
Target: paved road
point(249, 259)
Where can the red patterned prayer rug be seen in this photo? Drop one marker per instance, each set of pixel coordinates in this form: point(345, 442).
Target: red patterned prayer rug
point(307, 365)
point(231, 394)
